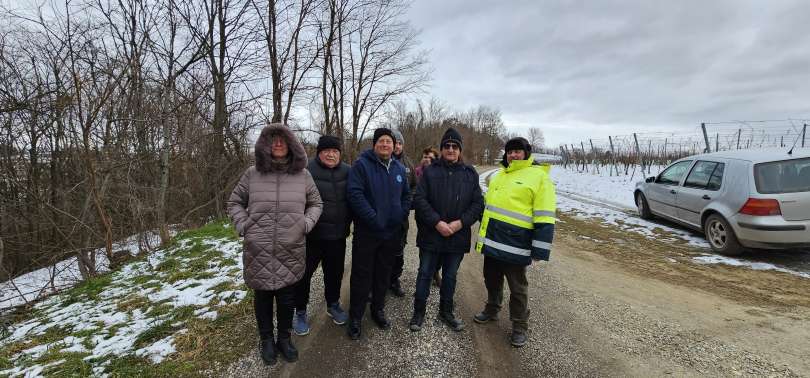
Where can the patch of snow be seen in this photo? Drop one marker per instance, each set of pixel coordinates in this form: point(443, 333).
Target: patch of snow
point(716, 259)
point(158, 351)
point(65, 274)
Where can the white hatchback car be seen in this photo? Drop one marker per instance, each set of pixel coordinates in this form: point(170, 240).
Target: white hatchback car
point(738, 199)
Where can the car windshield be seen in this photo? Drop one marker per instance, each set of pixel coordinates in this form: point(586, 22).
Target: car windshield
point(787, 176)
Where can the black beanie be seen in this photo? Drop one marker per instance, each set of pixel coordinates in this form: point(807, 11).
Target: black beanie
point(380, 132)
point(451, 135)
point(328, 141)
point(517, 143)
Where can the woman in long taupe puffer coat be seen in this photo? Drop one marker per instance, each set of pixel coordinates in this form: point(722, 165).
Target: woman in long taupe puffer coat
point(274, 205)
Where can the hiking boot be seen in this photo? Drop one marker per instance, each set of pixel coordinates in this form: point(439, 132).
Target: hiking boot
point(418, 315)
point(287, 349)
point(446, 315)
point(378, 316)
point(482, 317)
point(396, 289)
point(337, 314)
point(518, 338)
point(353, 330)
point(267, 350)
point(300, 323)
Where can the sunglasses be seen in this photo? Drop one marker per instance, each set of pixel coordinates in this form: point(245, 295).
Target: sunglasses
point(451, 146)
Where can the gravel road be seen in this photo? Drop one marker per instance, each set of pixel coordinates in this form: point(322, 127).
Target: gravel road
point(594, 312)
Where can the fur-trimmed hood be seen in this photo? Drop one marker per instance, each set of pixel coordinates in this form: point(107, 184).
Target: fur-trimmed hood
point(264, 157)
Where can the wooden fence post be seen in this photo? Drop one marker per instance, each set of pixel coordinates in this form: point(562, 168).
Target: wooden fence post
point(638, 153)
point(706, 138)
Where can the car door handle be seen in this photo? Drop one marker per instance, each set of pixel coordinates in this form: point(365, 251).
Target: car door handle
point(706, 197)
point(673, 191)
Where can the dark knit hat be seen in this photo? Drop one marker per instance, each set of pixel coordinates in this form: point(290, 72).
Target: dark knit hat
point(517, 143)
point(380, 132)
point(328, 141)
point(451, 135)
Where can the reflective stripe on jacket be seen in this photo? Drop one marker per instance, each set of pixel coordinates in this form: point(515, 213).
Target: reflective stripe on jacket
point(518, 221)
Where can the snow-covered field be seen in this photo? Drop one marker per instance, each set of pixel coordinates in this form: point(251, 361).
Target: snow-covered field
point(609, 199)
point(139, 310)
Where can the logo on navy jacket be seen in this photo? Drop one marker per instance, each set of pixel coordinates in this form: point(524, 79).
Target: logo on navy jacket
point(399, 178)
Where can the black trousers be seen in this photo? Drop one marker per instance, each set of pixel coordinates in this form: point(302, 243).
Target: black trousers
point(371, 272)
point(494, 273)
point(331, 255)
point(399, 257)
point(263, 306)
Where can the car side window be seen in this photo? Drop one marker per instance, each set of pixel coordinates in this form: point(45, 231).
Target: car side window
point(705, 175)
point(673, 174)
point(717, 177)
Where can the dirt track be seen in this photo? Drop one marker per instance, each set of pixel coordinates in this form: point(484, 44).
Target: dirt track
point(609, 303)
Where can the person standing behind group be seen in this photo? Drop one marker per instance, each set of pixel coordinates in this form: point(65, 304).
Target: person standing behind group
point(448, 202)
point(326, 244)
point(410, 173)
point(429, 155)
point(274, 205)
point(379, 199)
point(517, 228)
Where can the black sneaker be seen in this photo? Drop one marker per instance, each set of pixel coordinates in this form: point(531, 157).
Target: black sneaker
point(518, 339)
point(287, 349)
point(482, 317)
point(379, 318)
point(267, 350)
point(353, 330)
point(396, 289)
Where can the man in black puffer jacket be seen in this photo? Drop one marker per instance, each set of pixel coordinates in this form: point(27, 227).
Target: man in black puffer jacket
point(326, 243)
point(448, 202)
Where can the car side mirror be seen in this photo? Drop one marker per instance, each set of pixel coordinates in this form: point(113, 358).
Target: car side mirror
point(650, 179)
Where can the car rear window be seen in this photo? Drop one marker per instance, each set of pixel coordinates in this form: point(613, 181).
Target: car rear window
point(787, 176)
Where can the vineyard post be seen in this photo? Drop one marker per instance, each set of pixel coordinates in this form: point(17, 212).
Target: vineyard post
point(613, 155)
point(638, 153)
point(593, 156)
point(584, 157)
point(739, 133)
point(664, 155)
point(804, 133)
point(781, 141)
point(717, 142)
point(706, 138)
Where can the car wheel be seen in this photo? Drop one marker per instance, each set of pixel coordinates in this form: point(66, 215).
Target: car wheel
point(643, 207)
point(721, 236)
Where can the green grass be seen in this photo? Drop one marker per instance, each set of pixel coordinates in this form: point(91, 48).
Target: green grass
point(88, 289)
point(73, 365)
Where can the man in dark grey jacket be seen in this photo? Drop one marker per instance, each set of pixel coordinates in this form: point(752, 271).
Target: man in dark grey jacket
point(326, 244)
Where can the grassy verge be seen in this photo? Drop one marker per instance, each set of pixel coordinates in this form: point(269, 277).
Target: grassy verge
point(189, 297)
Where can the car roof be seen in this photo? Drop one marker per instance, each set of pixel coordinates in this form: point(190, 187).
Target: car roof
point(756, 155)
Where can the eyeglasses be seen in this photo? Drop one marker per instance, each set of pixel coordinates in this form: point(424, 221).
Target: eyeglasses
point(451, 146)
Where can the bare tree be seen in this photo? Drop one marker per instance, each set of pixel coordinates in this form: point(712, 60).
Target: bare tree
point(536, 138)
point(381, 63)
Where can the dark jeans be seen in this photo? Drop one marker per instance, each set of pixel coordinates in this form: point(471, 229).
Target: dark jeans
point(371, 272)
point(263, 306)
point(428, 263)
point(494, 273)
point(399, 258)
point(331, 254)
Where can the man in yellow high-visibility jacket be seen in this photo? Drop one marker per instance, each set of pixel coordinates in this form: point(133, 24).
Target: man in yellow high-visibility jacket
point(517, 228)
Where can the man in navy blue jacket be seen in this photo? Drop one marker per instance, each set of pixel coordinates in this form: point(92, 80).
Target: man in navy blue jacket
point(378, 195)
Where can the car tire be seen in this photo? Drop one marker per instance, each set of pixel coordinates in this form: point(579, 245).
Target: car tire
point(721, 236)
point(643, 207)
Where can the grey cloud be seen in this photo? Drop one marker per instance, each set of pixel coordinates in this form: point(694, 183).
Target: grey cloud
point(657, 65)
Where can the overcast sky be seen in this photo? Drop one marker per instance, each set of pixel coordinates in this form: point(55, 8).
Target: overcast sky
point(598, 68)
